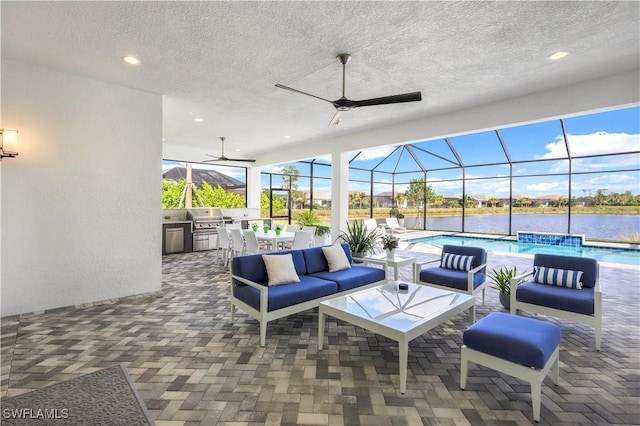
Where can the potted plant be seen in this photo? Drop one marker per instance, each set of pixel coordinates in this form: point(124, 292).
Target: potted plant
point(501, 279)
point(394, 212)
point(278, 229)
point(390, 244)
point(360, 240)
point(254, 227)
point(310, 218)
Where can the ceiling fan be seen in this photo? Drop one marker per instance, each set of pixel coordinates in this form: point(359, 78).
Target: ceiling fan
point(223, 158)
point(343, 104)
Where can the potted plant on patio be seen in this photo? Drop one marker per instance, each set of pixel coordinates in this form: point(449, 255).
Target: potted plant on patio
point(501, 279)
point(310, 218)
point(360, 239)
point(394, 212)
point(390, 244)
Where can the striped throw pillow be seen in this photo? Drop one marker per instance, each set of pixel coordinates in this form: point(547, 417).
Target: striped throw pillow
point(558, 277)
point(457, 261)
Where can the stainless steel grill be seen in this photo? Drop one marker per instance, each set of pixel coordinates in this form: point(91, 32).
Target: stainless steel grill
point(205, 220)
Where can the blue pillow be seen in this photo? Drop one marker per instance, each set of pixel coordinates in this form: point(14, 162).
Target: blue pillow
point(457, 261)
point(558, 277)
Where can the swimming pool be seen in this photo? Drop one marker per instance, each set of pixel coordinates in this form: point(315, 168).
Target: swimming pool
point(601, 254)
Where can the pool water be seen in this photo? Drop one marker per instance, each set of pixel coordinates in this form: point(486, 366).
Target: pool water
point(601, 254)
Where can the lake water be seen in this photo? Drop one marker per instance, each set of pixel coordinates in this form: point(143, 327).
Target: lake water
point(593, 226)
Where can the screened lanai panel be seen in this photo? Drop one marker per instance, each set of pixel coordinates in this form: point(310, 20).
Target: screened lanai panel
point(479, 148)
point(535, 141)
point(604, 133)
point(434, 154)
point(551, 167)
point(408, 177)
point(359, 175)
point(368, 159)
point(500, 170)
point(485, 188)
point(607, 189)
point(391, 162)
point(609, 162)
point(322, 170)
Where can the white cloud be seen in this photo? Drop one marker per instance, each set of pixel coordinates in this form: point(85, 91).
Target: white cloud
point(592, 144)
point(372, 154)
point(547, 187)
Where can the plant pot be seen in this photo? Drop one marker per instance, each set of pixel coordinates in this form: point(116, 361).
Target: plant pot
point(401, 222)
point(391, 253)
point(278, 231)
point(505, 300)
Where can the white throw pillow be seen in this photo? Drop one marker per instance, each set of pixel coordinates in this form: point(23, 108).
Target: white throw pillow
point(280, 269)
point(336, 258)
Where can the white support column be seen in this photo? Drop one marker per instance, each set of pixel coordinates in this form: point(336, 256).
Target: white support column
point(253, 187)
point(339, 192)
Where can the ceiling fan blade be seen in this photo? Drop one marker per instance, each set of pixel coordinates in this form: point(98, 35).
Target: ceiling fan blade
point(243, 160)
point(395, 99)
point(336, 118)
point(301, 92)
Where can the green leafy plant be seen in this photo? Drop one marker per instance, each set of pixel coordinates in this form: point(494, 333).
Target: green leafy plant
point(394, 212)
point(360, 239)
point(501, 278)
point(389, 242)
point(310, 218)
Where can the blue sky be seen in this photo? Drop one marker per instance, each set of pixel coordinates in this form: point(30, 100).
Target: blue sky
point(602, 133)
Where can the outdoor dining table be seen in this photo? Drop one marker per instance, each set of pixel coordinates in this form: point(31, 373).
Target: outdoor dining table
point(273, 239)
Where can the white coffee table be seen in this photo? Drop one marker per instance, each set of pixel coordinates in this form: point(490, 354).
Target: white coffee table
point(395, 262)
point(398, 315)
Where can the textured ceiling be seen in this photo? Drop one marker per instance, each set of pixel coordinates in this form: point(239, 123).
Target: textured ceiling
point(220, 60)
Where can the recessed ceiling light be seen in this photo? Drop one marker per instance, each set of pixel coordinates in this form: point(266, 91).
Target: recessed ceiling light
point(558, 55)
point(198, 120)
point(130, 59)
point(287, 137)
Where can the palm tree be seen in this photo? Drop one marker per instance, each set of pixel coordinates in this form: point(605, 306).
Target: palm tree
point(493, 201)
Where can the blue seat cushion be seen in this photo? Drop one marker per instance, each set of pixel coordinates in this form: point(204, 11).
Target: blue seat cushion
point(284, 295)
point(252, 266)
point(450, 277)
point(563, 298)
point(517, 339)
point(354, 277)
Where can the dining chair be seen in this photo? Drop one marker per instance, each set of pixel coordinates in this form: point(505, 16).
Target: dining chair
point(302, 240)
point(237, 243)
point(251, 244)
point(224, 245)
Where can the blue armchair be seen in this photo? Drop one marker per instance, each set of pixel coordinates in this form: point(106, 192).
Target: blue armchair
point(564, 287)
point(460, 268)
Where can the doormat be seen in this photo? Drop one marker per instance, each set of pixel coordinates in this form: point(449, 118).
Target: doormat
point(104, 397)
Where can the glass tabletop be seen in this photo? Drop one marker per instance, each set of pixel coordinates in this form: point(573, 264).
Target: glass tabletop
point(398, 309)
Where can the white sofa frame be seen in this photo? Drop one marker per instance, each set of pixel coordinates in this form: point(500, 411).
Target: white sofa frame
point(263, 315)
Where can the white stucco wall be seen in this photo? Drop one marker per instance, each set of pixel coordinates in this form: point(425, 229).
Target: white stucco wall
point(80, 205)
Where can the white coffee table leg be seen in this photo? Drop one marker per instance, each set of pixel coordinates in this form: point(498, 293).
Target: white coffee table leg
point(395, 272)
point(403, 354)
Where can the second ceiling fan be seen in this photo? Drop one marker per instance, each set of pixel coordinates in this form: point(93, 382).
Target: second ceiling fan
point(344, 104)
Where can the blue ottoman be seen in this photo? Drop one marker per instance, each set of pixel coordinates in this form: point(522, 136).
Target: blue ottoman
point(521, 347)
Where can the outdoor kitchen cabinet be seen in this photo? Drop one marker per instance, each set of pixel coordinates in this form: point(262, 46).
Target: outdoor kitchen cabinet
point(171, 232)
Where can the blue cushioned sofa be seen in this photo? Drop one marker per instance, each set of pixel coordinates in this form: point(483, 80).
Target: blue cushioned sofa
point(251, 293)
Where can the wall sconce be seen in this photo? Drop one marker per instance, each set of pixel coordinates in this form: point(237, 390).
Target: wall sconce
point(8, 143)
